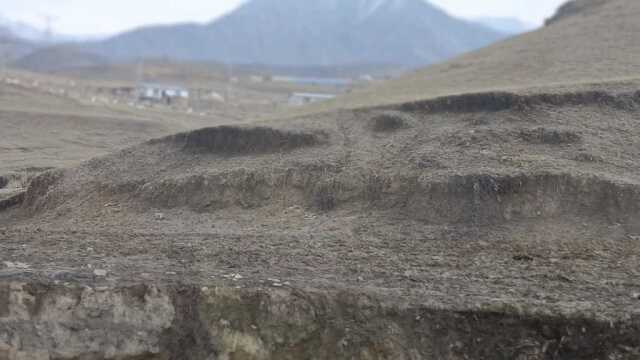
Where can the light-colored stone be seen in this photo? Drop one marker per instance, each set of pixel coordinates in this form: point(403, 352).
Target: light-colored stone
point(100, 272)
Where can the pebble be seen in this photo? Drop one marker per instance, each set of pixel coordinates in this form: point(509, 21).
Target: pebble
point(234, 277)
point(159, 216)
point(16, 265)
point(100, 272)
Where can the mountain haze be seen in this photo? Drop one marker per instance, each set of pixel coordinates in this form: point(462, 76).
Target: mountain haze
point(506, 25)
point(322, 32)
point(12, 47)
point(588, 41)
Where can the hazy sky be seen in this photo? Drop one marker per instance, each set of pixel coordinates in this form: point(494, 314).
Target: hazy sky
point(110, 16)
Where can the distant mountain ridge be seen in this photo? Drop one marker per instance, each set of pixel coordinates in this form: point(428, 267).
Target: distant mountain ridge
point(506, 25)
point(309, 33)
point(12, 47)
point(587, 42)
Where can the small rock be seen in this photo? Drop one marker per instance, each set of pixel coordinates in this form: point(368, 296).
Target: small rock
point(171, 273)
point(411, 275)
point(16, 265)
point(636, 296)
point(100, 272)
point(234, 277)
point(523, 257)
point(159, 216)
point(204, 289)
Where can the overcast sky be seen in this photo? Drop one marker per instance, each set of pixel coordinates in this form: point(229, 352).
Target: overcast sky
point(83, 17)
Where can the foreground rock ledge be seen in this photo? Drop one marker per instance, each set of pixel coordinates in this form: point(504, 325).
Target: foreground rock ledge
point(46, 322)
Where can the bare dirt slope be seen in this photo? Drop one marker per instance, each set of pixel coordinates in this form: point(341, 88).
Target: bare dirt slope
point(495, 204)
point(493, 225)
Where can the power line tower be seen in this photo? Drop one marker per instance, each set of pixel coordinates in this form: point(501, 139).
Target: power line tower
point(49, 21)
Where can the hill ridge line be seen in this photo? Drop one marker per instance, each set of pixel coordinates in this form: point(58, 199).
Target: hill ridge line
point(494, 101)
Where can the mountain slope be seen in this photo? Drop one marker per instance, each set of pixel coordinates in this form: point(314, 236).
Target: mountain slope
point(12, 47)
point(599, 43)
point(59, 58)
point(327, 32)
point(22, 30)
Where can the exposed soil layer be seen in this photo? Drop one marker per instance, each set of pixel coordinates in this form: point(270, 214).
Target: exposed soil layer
point(236, 140)
point(11, 201)
point(223, 323)
point(390, 121)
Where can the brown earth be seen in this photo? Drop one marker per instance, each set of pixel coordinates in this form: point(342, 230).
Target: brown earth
point(485, 225)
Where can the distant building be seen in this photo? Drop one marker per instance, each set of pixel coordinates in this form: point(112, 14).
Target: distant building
point(162, 93)
point(298, 99)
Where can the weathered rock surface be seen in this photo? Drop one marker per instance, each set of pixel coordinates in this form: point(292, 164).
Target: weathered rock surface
point(181, 322)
